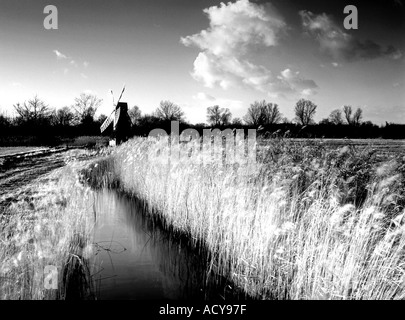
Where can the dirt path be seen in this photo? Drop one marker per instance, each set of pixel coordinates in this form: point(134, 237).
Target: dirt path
point(15, 173)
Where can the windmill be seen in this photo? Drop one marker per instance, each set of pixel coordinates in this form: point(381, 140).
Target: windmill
point(120, 119)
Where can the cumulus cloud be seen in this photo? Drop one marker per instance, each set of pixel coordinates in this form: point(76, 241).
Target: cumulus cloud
point(85, 64)
point(235, 31)
point(235, 27)
point(334, 41)
point(59, 55)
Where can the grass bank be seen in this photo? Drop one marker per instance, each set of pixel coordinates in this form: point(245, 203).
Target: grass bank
point(307, 222)
point(49, 223)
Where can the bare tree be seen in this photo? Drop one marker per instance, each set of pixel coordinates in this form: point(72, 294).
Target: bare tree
point(4, 122)
point(85, 107)
point(63, 117)
point(217, 116)
point(354, 120)
point(305, 111)
point(271, 114)
point(254, 115)
point(262, 113)
point(336, 117)
point(169, 111)
point(357, 117)
point(134, 114)
point(101, 118)
point(35, 110)
point(348, 114)
point(226, 117)
point(237, 122)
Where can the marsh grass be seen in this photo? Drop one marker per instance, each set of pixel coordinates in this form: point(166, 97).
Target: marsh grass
point(306, 222)
point(50, 227)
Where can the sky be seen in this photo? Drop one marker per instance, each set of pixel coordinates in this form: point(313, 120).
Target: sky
point(204, 53)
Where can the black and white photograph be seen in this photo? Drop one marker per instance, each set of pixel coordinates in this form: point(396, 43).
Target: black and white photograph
point(179, 151)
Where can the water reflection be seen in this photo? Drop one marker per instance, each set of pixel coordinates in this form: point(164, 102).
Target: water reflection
point(136, 259)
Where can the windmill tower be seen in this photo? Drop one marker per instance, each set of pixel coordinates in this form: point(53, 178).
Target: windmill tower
point(121, 122)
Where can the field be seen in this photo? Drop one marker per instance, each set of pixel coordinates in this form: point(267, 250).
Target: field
point(7, 151)
point(311, 220)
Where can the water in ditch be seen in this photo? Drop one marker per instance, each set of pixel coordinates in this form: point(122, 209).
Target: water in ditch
point(134, 258)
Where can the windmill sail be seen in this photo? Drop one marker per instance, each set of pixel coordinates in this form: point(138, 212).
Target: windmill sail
point(106, 123)
point(117, 116)
point(119, 99)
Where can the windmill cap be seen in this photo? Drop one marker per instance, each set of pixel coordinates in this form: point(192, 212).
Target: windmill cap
point(122, 105)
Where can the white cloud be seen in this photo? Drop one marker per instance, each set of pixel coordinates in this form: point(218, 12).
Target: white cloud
point(65, 71)
point(203, 96)
point(235, 27)
point(85, 64)
point(83, 76)
point(59, 55)
point(229, 72)
point(236, 30)
point(335, 64)
point(308, 92)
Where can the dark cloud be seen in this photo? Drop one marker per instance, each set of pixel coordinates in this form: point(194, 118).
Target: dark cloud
point(339, 44)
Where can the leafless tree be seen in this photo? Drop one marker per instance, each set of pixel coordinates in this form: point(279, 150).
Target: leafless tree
point(336, 117)
point(63, 117)
point(134, 113)
point(169, 111)
point(226, 117)
point(237, 122)
point(85, 107)
point(101, 118)
point(217, 116)
point(357, 117)
point(354, 120)
point(262, 113)
point(254, 115)
point(305, 111)
point(35, 110)
point(271, 114)
point(348, 114)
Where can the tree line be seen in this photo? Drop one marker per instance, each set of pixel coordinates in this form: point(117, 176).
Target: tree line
point(36, 118)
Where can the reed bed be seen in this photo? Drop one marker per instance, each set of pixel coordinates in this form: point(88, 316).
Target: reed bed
point(305, 222)
point(49, 224)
